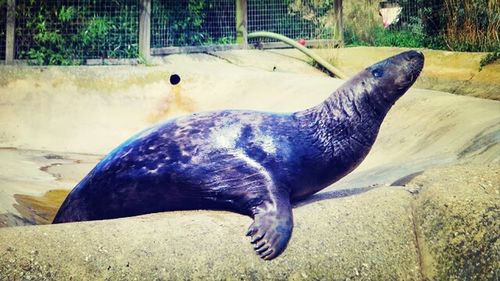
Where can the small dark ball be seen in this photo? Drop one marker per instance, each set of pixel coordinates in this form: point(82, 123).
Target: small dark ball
point(175, 79)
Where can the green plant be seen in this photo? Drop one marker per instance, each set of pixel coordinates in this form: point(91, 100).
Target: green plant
point(465, 25)
point(472, 25)
point(182, 21)
point(318, 15)
point(54, 34)
point(489, 59)
point(411, 36)
point(93, 35)
point(51, 45)
point(66, 14)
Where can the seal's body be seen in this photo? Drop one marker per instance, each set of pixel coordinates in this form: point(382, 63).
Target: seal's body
point(253, 163)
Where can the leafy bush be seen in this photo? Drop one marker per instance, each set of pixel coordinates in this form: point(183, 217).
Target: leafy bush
point(308, 19)
point(489, 59)
point(467, 25)
point(412, 36)
point(192, 23)
point(48, 33)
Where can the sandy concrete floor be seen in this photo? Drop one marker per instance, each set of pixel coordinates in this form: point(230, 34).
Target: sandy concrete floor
point(57, 122)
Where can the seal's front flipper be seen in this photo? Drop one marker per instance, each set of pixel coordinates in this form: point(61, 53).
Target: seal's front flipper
point(272, 226)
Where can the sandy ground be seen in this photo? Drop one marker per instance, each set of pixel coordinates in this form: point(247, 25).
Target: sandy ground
point(57, 122)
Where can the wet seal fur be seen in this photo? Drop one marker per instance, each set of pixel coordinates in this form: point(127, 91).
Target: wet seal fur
point(253, 163)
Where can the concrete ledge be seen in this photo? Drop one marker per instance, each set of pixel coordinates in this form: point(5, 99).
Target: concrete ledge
point(458, 213)
point(368, 236)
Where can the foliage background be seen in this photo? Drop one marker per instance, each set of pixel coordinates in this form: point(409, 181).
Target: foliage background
point(69, 32)
point(465, 25)
point(193, 23)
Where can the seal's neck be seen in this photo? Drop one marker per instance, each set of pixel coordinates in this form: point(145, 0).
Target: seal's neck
point(350, 117)
point(340, 132)
point(360, 95)
point(353, 101)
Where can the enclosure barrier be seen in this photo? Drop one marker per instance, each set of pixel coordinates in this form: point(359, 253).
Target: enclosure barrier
point(74, 32)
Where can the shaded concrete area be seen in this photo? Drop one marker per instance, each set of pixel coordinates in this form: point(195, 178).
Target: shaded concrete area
point(434, 148)
point(35, 179)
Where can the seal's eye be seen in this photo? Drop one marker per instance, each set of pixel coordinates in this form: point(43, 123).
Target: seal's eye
point(377, 72)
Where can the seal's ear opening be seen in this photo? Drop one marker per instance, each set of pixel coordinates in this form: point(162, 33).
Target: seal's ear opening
point(175, 79)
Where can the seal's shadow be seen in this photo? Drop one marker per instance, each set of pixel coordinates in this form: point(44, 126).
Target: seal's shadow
point(331, 195)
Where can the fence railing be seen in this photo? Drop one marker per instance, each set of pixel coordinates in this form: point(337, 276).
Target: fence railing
point(69, 32)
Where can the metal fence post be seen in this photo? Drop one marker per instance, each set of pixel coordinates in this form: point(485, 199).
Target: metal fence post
point(145, 29)
point(339, 25)
point(10, 34)
point(241, 22)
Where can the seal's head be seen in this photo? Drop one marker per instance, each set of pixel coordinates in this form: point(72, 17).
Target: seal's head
point(388, 80)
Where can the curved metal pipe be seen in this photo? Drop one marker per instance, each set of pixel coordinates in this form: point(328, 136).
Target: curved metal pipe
point(332, 69)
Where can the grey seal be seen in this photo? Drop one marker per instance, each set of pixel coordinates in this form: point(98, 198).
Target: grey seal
point(249, 162)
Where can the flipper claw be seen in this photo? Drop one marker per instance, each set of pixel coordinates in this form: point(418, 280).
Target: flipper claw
point(262, 250)
point(256, 238)
point(259, 245)
point(251, 231)
point(271, 231)
point(268, 255)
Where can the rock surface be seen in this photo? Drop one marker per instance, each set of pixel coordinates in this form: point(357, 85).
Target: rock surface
point(366, 236)
point(458, 217)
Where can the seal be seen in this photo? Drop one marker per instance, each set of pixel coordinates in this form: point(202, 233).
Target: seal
point(249, 162)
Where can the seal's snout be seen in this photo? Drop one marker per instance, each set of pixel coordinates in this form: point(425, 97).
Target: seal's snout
point(415, 59)
point(408, 66)
point(413, 55)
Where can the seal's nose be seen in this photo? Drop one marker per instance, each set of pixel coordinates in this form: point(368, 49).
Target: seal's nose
point(412, 55)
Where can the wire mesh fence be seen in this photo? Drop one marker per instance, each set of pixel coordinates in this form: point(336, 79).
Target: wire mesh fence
point(307, 19)
point(193, 23)
point(400, 14)
point(62, 32)
point(73, 31)
point(3, 29)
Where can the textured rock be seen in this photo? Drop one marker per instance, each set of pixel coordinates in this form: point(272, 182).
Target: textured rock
point(361, 237)
point(458, 216)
